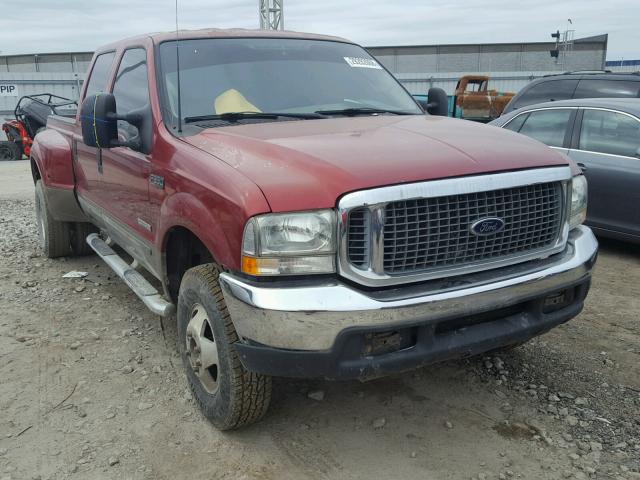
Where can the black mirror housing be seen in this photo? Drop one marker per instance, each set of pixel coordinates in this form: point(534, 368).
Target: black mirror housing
point(423, 103)
point(98, 120)
point(437, 102)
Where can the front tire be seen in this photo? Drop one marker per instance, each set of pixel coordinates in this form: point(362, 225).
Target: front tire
point(54, 236)
point(228, 395)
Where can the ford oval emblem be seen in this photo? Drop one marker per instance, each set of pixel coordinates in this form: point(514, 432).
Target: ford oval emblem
point(487, 226)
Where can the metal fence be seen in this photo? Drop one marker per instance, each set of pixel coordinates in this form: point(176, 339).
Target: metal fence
point(29, 83)
point(66, 85)
point(630, 66)
point(69, 84)
point(503, 81)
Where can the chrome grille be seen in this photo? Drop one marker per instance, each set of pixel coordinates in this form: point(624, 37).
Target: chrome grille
point(429, 233)
point(358, 237)
point(392, 237)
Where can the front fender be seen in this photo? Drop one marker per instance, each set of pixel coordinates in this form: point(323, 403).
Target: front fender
point(216, 230)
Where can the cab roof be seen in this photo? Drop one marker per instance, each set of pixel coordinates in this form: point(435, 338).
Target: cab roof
point(159, 37)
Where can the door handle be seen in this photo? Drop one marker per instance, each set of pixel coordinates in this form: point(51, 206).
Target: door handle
point(583, 167)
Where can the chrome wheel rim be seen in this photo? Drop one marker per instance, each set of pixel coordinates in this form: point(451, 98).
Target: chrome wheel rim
point(202, 349)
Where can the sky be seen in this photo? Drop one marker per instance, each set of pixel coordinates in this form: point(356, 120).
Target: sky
point(40, 26)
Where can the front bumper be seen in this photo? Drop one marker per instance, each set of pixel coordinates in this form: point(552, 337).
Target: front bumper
point(332, 329)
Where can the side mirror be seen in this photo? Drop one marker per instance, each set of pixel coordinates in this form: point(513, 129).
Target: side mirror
point(99, 122)
point(437, 102)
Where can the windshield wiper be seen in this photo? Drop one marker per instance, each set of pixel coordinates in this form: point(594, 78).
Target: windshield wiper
point(350, 112)
point(235, 116)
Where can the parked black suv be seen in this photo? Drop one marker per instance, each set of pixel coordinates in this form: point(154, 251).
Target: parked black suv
point(566, 86)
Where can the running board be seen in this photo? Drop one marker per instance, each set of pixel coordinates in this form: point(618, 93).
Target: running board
point(134, 280)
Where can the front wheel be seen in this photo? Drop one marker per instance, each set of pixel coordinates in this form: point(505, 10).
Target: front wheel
point(229, 395)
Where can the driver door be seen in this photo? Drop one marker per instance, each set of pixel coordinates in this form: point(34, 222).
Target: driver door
point(551, 126)
point(608, 150)
point(125, 180)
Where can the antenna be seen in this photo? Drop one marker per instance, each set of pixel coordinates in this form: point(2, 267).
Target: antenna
point(178, 71)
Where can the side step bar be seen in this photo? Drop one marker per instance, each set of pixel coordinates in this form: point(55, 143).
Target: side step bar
point(134, 280)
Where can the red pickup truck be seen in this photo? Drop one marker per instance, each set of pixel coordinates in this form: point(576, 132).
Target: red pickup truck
point(301, 215)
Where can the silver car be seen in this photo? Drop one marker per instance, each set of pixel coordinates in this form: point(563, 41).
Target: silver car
point(603, 136)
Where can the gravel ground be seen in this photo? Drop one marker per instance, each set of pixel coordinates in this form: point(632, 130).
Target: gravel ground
point(92, 388)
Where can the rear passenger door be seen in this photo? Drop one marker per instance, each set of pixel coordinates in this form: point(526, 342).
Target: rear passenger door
point(608, 147)
point(551, 126)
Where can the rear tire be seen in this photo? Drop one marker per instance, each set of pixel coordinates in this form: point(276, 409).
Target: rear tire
point(54, 236)
point(10, 151)
point(79, 232)
point(228, 395)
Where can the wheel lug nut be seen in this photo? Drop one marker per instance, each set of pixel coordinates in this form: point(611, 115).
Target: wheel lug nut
point(198, 363)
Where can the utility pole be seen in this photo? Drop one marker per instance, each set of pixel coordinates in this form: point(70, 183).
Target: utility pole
point(271, 14)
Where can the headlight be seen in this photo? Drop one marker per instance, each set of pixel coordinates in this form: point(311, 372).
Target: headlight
point(578, 201)
point(290, 243)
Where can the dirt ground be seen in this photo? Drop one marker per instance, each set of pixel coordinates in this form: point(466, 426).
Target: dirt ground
point(91, 387)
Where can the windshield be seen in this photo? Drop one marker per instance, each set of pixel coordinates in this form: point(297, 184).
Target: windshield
point(222, 75)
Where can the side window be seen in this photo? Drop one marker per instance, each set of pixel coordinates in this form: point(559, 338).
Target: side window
point(516, 123)
point(546, 91)
point(131, 87)
point(100, 74)
point(607, 88)
point(609, 132)
point(473, 86)
point(547, 126)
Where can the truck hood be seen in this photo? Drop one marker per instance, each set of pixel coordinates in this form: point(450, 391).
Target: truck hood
point(307, 164)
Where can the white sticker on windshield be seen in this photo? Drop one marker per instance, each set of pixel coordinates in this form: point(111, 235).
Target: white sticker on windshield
point(362, 62)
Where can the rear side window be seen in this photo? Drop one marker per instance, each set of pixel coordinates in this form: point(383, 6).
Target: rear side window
point(516, 123)
point(547, 126)
point(607, 88)
point(546, 92)
point(131, 87)
point(609, 132)
point(100, 74)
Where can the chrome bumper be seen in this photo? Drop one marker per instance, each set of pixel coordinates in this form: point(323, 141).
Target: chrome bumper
point(311, 317)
